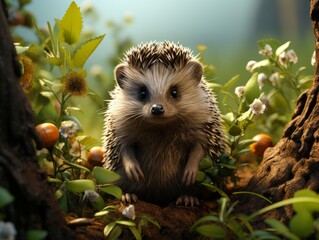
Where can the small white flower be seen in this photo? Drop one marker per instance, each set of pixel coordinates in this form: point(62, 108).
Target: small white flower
point(250, 65)
point(266, 51)
point(274, 78)
point(261, 78)
point(239, 91)
point(69, 129)
point(7, 231)
point(129, 212)
point(291, 56)
point(313, 58)
point(283, 59)
point(257, 107)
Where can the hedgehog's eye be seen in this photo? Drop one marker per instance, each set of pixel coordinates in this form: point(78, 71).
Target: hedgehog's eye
point(174, 92)
point(142, 94)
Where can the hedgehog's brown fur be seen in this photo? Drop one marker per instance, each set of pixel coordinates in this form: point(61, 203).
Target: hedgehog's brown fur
point(157, 155)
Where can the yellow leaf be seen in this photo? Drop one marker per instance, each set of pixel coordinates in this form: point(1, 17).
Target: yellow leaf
point(71, 25)
point(85, 51)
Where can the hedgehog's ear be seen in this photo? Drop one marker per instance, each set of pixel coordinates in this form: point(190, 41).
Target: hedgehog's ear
point(120, 76)
point(196, 70)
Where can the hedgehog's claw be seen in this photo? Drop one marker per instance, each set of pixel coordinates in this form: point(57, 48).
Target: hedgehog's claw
point(129, 198)
point(187, 200)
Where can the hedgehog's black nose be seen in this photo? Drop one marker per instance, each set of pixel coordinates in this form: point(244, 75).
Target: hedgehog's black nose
point(157, 109)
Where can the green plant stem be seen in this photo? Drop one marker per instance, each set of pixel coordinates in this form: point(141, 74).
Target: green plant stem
point(62, 105)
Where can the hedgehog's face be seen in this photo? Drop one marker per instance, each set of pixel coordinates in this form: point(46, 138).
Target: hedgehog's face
point(159, 95)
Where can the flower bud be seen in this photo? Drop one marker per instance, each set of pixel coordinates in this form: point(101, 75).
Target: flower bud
point(266, 51)
point(239, 91)
point(257, 107)
point(261, 78)
point(250, 65)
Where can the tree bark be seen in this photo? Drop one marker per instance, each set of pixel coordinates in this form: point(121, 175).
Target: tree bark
point(34, 206)
point(293, 164)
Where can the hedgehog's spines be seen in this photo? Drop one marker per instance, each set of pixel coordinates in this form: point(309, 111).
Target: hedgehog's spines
point(144, 56)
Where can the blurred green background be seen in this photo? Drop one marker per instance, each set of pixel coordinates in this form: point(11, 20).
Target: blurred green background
point(229, 29)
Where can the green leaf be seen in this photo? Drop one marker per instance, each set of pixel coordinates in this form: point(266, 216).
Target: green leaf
point(54, 180)
point(301, 207)
point(302, 224)
point(108, 228)
point(151, 220)
point(212, 230)
point(74, 165)
point(245, 143)
point(263, 235)
point(96, 99)
point(62, 200)
point(87, 140)
point(105, 176)
point(115, 233)
point(135, 233)
point(228, 118)
point(126, 223)
point(208, 218)
point(71, 25)
point(261, 64)
point(200, 176)
point(80, 185)
point(252, 88)
point(255, 194)
point(282, 48)
point(234, 130)
point(283, 203)
point(281, 229)
point(54, 60)
point(274, 43)
point(112, 190)
point(98, 203)
point(85, 51)
point(36, 234)
point(205, 163)
point(101, 213)
point(5, 197)
point(231, 82)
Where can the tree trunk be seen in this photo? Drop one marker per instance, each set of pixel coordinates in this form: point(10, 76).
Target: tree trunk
point(34, 206)
point(293, 164)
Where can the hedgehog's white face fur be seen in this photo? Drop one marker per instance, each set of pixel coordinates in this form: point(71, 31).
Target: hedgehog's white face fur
point(161, 95)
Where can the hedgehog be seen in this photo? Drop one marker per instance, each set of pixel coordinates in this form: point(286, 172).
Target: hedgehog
point(162, 119)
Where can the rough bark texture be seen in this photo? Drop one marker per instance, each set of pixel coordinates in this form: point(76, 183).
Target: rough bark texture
point(293, 163)
point(34, 206)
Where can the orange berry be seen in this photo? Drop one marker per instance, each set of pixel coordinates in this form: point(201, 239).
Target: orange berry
point(95, 156)
point(48, 134)
point(263, 141)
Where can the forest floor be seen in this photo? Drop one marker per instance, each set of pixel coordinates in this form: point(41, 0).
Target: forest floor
point(175, 221)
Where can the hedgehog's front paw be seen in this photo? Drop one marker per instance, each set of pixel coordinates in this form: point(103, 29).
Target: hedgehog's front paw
point(189, 176)
point(129, 198)
point(187, 200)
point(133, 170)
